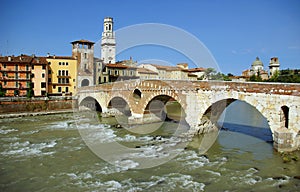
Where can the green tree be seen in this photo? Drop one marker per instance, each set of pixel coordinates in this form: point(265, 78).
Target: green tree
point(2, 91)
point(209, 72)
point(30, 92)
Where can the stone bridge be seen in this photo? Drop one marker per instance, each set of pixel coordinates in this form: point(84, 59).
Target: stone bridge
point(278, 103)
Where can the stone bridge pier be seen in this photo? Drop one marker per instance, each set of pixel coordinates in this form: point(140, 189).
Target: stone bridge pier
point(202, 103)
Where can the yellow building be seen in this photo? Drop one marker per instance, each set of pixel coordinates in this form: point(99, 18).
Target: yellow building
point(62, 75)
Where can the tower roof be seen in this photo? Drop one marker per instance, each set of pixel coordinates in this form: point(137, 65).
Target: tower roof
point(83, 41)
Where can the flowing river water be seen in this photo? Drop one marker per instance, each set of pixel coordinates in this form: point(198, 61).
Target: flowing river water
point(47, 153)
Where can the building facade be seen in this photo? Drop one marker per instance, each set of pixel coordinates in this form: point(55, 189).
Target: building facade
point(83, 52)
point(20, 74)
point(62, 75)
point(257, 69)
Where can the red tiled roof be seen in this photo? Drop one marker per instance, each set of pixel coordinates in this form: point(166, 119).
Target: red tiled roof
point(119, 65)
point(60, 57)
point(200, 69)
point(145, 71)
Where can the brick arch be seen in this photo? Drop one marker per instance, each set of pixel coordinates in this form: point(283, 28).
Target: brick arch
point(117, 95)
point(150, 97)
point(91, 103)
point(123, 98)
point(153, 96)
point(214, 111)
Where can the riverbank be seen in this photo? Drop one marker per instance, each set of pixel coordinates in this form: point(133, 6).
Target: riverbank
point(26, 114)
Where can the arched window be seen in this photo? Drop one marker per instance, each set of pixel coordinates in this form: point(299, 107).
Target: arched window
point(284, 116)
point(85, 82)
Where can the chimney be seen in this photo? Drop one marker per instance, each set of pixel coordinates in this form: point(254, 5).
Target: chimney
point(9, 58)
point(48, 54)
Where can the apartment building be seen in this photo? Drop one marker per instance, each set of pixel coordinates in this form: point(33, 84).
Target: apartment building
point(19, 74)
point(62, 75)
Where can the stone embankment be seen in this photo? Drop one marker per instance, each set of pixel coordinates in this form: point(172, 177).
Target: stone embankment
point(20, 107)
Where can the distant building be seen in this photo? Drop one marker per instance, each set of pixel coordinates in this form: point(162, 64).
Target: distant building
point(257, 68)
point(21, 73)
point(62, 75)
point(273, 65)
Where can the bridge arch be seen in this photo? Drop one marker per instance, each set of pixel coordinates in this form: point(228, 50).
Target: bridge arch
point(90, 103)
point(165, 107)
point(214, 111)
point(120, 104)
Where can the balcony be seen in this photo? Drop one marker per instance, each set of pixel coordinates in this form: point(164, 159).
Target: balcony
point(15, 70)
point(10, 78)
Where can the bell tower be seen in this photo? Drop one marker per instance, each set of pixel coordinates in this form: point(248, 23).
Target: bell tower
point(83, 51)
point(108, 42)
point(274, 65)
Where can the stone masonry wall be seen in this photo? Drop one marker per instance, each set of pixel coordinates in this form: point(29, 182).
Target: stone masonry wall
point(18, 105)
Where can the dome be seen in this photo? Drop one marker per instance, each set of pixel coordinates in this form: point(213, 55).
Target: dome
point(257, 62)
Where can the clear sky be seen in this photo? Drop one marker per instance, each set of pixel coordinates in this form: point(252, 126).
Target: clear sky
point(235, 31)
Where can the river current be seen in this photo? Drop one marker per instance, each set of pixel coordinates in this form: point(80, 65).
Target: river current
point(47, 153)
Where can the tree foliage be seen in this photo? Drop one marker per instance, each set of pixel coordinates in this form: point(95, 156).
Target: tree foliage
point(2, 91)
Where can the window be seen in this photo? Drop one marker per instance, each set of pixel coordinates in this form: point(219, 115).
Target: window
point(59, 63)
point(67, 73)
point(59, 72)
point(62, 80)
point(49, 71)
point(73, 80)
point(67, 63)
point(27, 67)
point(124, 72)
point(16, 67)
point(27, 75)
point(44, 67)
point(5, 83)
point(4, 74)
point(17, 84)
point(59, 80)
point(32, 67)
point(63, 63)
point(63, 72)
point(67, 80)
point(43, 75)
point(59, 89)
point(43, 85)
point(85, 55)
point(67, 89)
point(16, 76)
point(32, 75)
point(4, 65)
point(54, 86)
point(116, 72)
point(49, 80)
point(104, 79)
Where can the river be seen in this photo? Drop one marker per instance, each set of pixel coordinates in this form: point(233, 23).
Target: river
point(48, 153)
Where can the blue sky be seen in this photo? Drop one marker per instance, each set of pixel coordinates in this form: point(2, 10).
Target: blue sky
point(235, 31)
